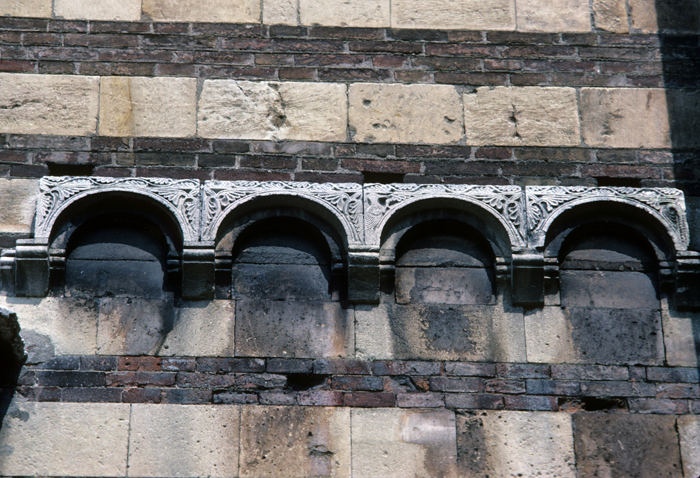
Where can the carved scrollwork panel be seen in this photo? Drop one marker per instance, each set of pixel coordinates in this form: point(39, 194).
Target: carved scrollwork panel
point(503, 202)
point(344, 201)
point(181, 197)
point(546, 203)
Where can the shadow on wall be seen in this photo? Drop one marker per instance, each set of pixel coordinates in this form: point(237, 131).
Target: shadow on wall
point(12, 357)
point(678, 23)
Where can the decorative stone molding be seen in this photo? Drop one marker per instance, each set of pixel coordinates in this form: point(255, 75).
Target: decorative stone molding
point(545, 203)
point(181, 197)
point(343, 201)
point(504, 203)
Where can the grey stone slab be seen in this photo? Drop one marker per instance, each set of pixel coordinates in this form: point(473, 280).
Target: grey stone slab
point(281, 282)
point(463, 285)
point(100, 278)
point(609, 289)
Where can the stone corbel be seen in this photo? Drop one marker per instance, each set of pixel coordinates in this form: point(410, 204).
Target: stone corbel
point(31, 268)
point(363, 276)
point(527, 284)
point(688, 280)
point(198, 272)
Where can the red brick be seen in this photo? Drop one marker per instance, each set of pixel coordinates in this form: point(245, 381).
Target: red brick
point(420, 400)
point(185, 396)
point(297, 73)
point(22, 66)
point(369, 399)
point(353, 74)
point(241, 175)
point(205, 380)
point(675, 390)
point(505, 386)
point(341, 367)
point(158, 379)
point(474, 401)
point(354, 382)
point(398, 167)
point(289, 365)
point(314, 177)
point(385, 47)
point(320, 398)
point(148, 364)
point(493, 153)
point(388, 61)
point(444, 384)
point(514, 370)
point(661, 407)
point(530, 402)
point(400, 367)
point(227, 365)
point(173, 173)
point(141, 395)
point(473, 79)
point(175, 364)
point(95, 395)
point(234, 398)
point(413, 76)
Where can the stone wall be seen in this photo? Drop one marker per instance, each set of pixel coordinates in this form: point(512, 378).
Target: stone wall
point(381, 238)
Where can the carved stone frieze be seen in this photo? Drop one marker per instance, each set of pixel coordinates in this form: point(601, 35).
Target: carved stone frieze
point(343, 201)
point(503, 202)
point(181, 197)
point(546, 203)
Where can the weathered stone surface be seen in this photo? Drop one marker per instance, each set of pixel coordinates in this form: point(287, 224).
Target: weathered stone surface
point(293, 329)
point(295, 442)
point(643, 446)
point(202, 329)
point(184, 440)
point(444, 285)
point(346, 13)
point(26, 8)
point(453, 14)
point(133, 326)
point(138, 106)
point(124, 10)
point(515, 444)
point(611, 15)
point(523, 116)
point(280, 12)
point(48, 104)
point(671, 16)
point(405, 113)
point(273, 111)
point(548, 16)
point(440, 332)
point(225, 11)
point(18, 204)
point(681, 338)
point(55, 326)
point(689, 431)
point(64, 439)
point(400, 443)
point(280, 282)
point(693, 215)
point(609, 289)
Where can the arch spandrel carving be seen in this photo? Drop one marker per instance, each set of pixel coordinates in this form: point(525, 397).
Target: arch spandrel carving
point(342, 200)
point(504, 203)
point(545, 203)
point(182, 197)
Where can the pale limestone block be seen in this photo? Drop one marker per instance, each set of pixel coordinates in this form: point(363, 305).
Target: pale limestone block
point(224, 11)
point(136, 106)
point(625, 118)
point(611, 15)
point(280, 12)
point(345, 13)
point(184, 440)
point(133, 326)
point(59, 326)
point(394, 443)
point(689, 431)
point(681, 338)
point(64, 439)
point(454, 14)
point(273, 111)
point(26, 8)
point(202, 329)
point(517, 444)
point(122, 10)
point(17, 204)
point(669, 16)
point(643, 16)
point(373, 336)
point(295, 442)
point(548, 336)
point(382, 113)
point(48, 104)
point(522, 116)
point(553, 15)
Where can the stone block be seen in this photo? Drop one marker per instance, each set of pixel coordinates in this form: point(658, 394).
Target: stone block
point(440, 332)
point(122, 10)
point(114, 278)
point(399, 443)
point(55, 326)
point(689, 431)
point(26, 8)
point(224, 11)
point(295, 442)
point(18, 204)
point(281, 282)
point(439, 285)
point(382, 113)
point(611, 15)
point(548, 336)
point(681, 338)
point(668, 16)
point(64, 439)
point(133, 326)
point(184, 440)
point(293, 329)
point(346, 13)
point(608, 289)
point(512, 443)
point(643, 446)
point(280, 12)
point(522, 116)
point(549, 16)
point(202, 329)
point(453, 14)
point(135, 106)
point(48, 104)
point(273, 111)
